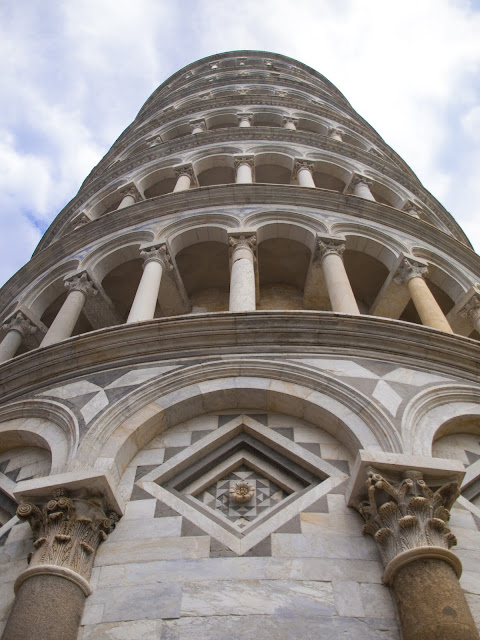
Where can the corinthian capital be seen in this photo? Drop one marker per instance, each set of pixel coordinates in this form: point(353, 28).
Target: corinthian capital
point(410, 268)
point(408, 514)
point(248, 160)
point(355, 180)
point(185, 170)
point(81, 282)
point(242, 240)
point(300, 164)
point(471, 309)
point(132, 191)
point(19, 322)
point(67, 531)
point(247, 117)
point(157, 253)
point(326, 246)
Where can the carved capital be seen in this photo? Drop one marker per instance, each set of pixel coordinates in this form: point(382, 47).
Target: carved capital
point(355, 180)
point(302, 164)
point(19, 322)
point(133, 192)
point(242, 241)
point(412, 209)
point(242, 492)
point(67, 530)
point(245, 117)
point(281, 94)
point(198, 124)
point(409, 269)
point(185, 170)
point(326, 246)
point(408, 514)
point(335, 132)
point(287, 119)
point(243, 91)
point(471, 309)
point(81, 282)
point(248, 160)
point(157, 253)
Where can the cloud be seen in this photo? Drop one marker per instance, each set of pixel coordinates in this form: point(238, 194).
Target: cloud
point(74, 75)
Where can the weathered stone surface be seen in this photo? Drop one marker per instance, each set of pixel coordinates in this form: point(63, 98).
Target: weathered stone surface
point(153, 549)
point(134, 630)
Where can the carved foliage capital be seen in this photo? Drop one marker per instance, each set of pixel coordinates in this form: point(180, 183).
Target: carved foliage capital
point(243, 241)
point(327, 246)
point(356, 180)
point(245, 117)
point(157, 253)
point(471, 309)
point(19, 322)
point(67, 531)
point(198, 124)
point(407, 514)
point(248, 160)
point(291, 119)
point(81, 282)
point(335, 132)
point(185, 170)
point(409, 269)
point(412, 208)
point(133, 192)
point(302, 164)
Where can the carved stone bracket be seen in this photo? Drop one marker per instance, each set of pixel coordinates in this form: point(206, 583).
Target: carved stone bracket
point(408, 514)
point(198, 124)
point(242, 241)
point(335, 132)
point(287, 119)
point(157, 253)
point(326, 246)
point(408, 269)
point(81, 282)
point(67, 531)
point(19, 322)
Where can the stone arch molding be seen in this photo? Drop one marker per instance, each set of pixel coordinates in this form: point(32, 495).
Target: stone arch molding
point(131, 423)
point(427, 412)
point(46, 423)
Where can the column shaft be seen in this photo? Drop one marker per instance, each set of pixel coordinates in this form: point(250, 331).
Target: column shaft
point(66, 319)
point(143, 307)
point(10, 344)
point(431, 603)
point(242, 280)
point(428, 309)
point(362, 190)
point(45, 607)
point(197, 129)
point(244, 174)
point(183, 183)
point(338, 285)
point(305, 178)
point(127, 201)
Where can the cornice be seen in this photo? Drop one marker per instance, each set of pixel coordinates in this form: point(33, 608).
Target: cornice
point(213, 335)
point(269, 134)
point(226, 197)
point(136, 131)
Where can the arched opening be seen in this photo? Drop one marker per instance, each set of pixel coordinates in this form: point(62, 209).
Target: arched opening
point(273, 168)
point(204, 269)
point(283, 265)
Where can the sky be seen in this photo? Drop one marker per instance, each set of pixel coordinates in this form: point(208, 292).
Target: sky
point(74, 74)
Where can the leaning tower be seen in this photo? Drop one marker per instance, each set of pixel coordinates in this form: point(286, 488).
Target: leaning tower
point(240, 382)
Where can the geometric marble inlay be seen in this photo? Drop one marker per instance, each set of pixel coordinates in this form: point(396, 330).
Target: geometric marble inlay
point(241, 482)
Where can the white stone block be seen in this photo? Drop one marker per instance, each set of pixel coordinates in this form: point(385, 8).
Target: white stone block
point(144, 529)
point(348, 599)
point(138, 509)
point(155, 549)
point(378, 601)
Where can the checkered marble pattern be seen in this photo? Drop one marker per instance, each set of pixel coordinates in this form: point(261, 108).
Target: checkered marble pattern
point(24, 463)
point(458, 446)
point(217, 496)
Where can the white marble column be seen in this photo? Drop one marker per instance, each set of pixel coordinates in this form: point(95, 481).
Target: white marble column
point(412, 209)
point(156, 259)
point(360, 186)
point(242, 274)
point(289, 123)
point(185, 178)
point(198, 126)
point(244, 169)
point(131, 195)
point(245, 120)
point(330, 252)
point(303, 170)
point(335, 134)
point(412, 275)
point(18, 327)
point(80, 287)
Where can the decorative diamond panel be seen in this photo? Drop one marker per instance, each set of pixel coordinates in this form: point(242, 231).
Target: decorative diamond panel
point(218, 496)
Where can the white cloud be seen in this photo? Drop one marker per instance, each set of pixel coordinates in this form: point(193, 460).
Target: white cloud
point(74, 75)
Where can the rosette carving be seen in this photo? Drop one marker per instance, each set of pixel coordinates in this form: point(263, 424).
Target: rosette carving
point(67, 531)
point(242, 492)
point(408, 515)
